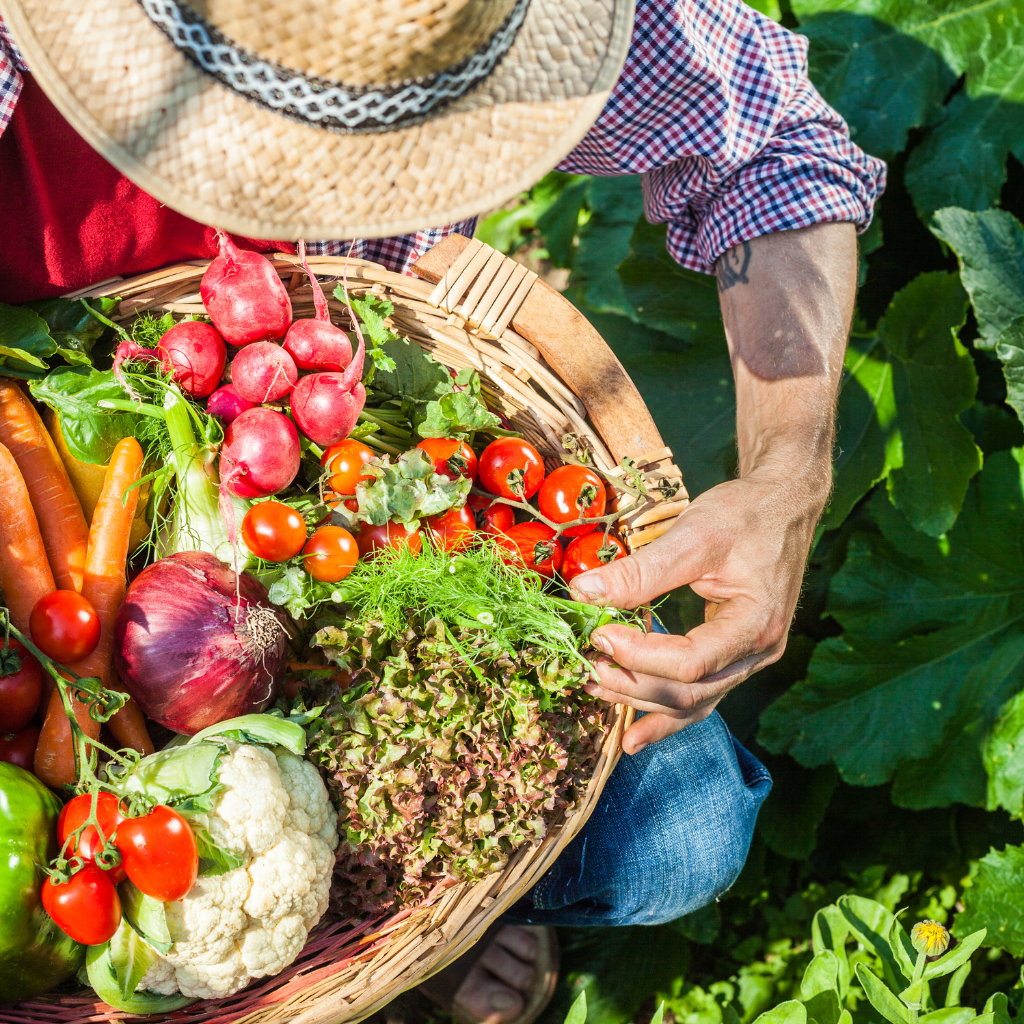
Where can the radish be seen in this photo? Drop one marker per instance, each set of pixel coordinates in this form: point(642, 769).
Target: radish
point(192, 352)
point(317, 344)
point(260, 454)
point(227, 403)
point(326, 406)
point(244, 296)
point(263, 372)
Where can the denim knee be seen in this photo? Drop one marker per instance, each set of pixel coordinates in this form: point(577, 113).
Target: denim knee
point(670, 834)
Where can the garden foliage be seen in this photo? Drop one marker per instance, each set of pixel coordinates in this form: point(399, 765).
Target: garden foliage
point(894, 724)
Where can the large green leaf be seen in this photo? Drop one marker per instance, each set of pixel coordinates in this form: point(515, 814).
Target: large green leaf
point(789, 820)
point(666, 296)
point(883, 82)
point(995, 900)
point(615, 206)
point(990, 247)
point(24, 338)
point(933, 381)
point(1004, 759)
point(933, 641)
point(963, 159)
point(1010, 349)
point(901, 397)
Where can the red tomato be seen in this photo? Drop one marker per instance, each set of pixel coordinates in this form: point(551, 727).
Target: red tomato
point(20, 748)
point(572, 492)
point(86, 907)
point(64, 626)
point(344, 461)
point(159, 853)
point(21, 687)
point(511, 455)
point(273, 531)
point(451, 458)
point(590, 552)
point(75, 813)
point(453, 530)
point(492, 517)
point(534, 545)
point(330, 554)
point(390, 535)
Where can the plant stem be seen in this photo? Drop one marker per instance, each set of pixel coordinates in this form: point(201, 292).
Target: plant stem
point(122, 405)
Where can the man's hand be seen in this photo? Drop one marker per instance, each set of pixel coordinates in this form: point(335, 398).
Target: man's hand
point(787, 300)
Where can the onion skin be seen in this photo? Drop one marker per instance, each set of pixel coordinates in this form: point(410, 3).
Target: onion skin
point(194, 644)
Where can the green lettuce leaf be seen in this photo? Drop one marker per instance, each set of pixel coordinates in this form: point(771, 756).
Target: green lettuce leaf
point(933, 645)
point(91, 432)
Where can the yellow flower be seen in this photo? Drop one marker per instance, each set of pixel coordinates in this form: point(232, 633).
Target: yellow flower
point(929, 937)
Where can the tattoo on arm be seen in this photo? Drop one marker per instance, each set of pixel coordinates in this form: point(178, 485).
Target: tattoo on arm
point(732, 266)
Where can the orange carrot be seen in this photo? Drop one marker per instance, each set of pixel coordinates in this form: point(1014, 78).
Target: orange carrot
point(58, 510)
point(129, 725)
point(103, 587)
point(24, 571)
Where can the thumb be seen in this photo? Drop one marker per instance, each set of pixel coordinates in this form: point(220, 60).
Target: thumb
point(676, 558)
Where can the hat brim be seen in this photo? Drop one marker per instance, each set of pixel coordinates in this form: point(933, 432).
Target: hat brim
point(215, 157)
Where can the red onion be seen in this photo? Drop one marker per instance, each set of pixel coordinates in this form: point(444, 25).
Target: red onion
point(195, 644)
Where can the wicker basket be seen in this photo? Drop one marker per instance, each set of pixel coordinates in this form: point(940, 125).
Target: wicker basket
point(545, 368)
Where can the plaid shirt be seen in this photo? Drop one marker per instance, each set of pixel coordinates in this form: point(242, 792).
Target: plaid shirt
point(714, 108)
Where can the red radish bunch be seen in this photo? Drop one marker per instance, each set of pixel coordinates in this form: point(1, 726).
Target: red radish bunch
point(317, 344)
point(227, 403)
point(263, 372)
point(245, 298)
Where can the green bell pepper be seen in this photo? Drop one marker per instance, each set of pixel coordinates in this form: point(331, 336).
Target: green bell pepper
point(35, 955)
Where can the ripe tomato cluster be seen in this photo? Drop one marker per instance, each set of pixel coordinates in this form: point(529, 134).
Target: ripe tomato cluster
point(158, 854)
point(508, 468)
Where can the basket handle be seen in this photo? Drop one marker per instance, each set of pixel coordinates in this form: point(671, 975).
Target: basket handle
point(575, 351)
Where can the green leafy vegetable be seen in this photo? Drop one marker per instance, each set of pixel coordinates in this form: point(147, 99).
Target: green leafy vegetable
point(25, 340)
point(407, 490)
point(147, 916)
point(104, 979)
point(72, 327)
point(458, 410)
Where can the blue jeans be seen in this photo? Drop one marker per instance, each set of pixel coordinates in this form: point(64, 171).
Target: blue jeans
point(670, 834)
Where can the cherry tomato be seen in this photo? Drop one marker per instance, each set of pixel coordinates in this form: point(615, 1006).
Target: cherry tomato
point(159, 853)
point(64, 626)
point(330, 554)
point(492, 517)
point(511, 455)
point(19, 748)
point(86, 907)
point(572, 492)
point(451, 458)
point(390, 535)
point(273, 531)
point(590, 552)
point(453, 530)
point(75, 813)
point(534, 545)
point(21, 687)
point(344, 461)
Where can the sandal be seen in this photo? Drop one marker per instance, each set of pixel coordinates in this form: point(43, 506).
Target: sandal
point(443, 986)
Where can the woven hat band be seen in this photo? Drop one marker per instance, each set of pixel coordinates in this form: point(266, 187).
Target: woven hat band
point(317, 102)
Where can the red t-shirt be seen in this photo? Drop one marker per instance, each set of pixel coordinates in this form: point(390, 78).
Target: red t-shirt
point(71, 219)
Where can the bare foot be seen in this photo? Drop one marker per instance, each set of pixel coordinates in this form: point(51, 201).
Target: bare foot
point(495, 990)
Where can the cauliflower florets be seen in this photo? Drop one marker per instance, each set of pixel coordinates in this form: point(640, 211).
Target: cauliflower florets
point(254, 920)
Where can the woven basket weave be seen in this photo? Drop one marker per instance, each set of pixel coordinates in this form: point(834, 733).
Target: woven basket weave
point(466, 318)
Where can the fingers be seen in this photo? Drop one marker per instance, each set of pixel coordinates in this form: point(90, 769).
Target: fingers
point(653, 728)
point(676, 558)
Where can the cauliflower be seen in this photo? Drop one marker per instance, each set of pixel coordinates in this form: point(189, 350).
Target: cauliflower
point(253, 921)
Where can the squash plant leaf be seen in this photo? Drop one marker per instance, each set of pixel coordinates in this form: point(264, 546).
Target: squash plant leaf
point(933, 627)
point(902, 393)
point(994, 899)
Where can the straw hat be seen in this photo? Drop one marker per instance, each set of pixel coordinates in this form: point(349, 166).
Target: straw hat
point(327, 118)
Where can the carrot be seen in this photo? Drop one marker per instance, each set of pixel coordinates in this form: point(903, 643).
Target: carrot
point(103, 587)
point(24, 571)
point(129, 725)
point(58, 510)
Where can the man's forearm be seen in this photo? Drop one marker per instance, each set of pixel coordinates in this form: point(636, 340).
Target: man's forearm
point(787, 301)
